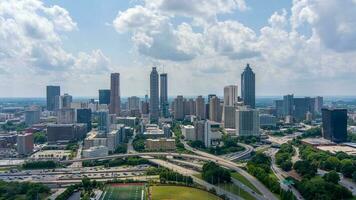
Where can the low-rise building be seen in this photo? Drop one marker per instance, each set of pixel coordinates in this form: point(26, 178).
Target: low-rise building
point(97, 151)
point(188, 132)
point(161, 144)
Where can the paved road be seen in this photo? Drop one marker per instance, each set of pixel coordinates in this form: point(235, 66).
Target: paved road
point(238, 155)
point(347, 183)
point(266, 193)
point(281, 175)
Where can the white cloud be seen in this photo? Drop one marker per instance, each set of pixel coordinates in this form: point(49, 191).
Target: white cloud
point(153, 35)
point(202, 9)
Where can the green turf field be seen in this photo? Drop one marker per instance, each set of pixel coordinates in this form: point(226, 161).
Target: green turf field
point(124, 192)
point(179, 193)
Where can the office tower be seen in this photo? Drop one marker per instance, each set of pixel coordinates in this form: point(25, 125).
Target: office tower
point(191, 107)
point(84, 117)
point(178, 107)
point(229, 116)
point(65, 101)
point(212, 134)
point(230, 95)
point(145, 107)
point(164, 95)
point(199, 130)
point(63, 133)
point(248, 87)
point(200, 107)
point(103, 121)
point(52, 92)
point(214, 109)
point(133, 103)
point(66, 116)
point(25, 143)
point(288, 105)
point(267, 120)
point(247, 122)
point(104, 96)
point(278, 104)
point(319, 102)
point(115, 101)
point(334, 124)
point(302, 106)
point(154, 99)
point(186, 107)
point(32, 117)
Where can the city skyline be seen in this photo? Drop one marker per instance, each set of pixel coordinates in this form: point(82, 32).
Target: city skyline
point(209, 45)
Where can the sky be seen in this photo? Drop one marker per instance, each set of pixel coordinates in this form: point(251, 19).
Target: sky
point(305, 47)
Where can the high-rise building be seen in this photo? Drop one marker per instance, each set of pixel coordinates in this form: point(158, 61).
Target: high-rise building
point(247, 122)
point(104, 96)
point(229, 117)
point(84, 116)
point(25, 143)
point(103, 121)
point(319, 102)
point(200, 107)
point(32, 117)
point(52, 92)
point(212, 134)
point(214, 109)
point(178, 108)
point(288, 105)
point(334, 124)
point(65, 101)
point(302, 106)
point(279, 108)
point(230, 95)
point(248, 92)
point(164, 95)
point(154, 96)
point(115, 101)
point(199, 127)
point(66, 116)
point(133, 103)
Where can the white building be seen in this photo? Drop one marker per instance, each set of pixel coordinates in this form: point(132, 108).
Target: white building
point(212, 134)
point(247, 122)
point(92, 140)
point(188, 132)
point(98, 151)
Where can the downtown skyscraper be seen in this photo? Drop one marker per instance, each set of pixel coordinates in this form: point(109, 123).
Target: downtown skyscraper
point(115, 101)
point(248, 92)
point(52, 92)
point(164, 95)
point(154, 96)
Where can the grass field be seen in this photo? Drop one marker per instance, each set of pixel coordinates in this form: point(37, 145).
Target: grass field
point(125, 192)
point(180, 193)
point(243, 180)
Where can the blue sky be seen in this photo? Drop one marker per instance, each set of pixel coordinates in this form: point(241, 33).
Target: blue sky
point(305, 47)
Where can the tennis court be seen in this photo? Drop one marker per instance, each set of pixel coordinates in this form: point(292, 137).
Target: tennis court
point(132, 191)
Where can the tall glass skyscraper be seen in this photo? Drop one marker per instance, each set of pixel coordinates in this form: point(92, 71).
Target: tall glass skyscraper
point(154, 96)
point(104, 96)
point(52, 92)
point(164, 95)
point(115, 101)
point(248, 93)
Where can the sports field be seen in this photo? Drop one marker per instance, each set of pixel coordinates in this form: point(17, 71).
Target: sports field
point(125, 192)
point(179, 193)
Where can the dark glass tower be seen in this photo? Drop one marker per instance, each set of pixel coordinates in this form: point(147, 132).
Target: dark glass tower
point(154, 96)
point(115, 101)
point(104, 97)
point(52, 92)
point(248, 93)
point(164, 95)
point(334, 124)
point(84, 116)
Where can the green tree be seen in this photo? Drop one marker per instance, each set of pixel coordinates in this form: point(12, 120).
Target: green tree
point(332, 177)
point(305, 168)
point(347, 167)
